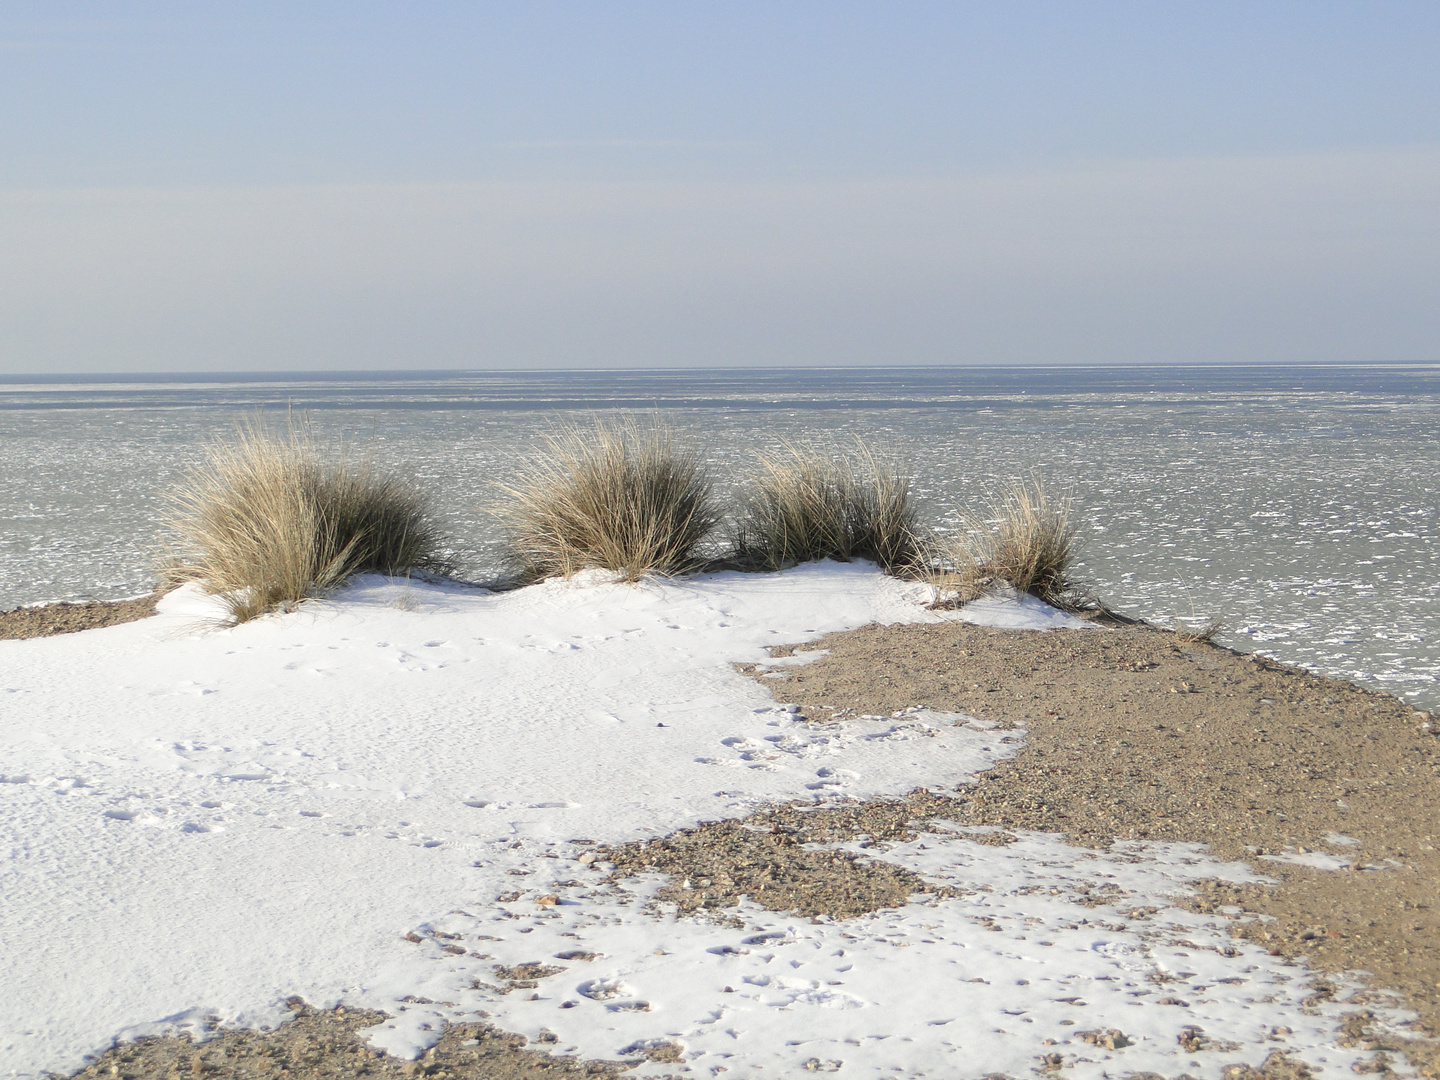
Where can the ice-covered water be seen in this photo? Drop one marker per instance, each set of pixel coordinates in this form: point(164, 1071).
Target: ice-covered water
point(1298, 504)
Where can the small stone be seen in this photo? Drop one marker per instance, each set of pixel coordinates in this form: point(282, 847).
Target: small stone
point(549, 900)
point(1108, 1038)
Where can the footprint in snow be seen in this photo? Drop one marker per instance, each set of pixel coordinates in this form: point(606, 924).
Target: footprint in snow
point(139, 817)
point(833, 779)
point(603, 989)
point(188, 689)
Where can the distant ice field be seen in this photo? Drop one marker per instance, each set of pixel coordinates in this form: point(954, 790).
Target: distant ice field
point(1298, 504)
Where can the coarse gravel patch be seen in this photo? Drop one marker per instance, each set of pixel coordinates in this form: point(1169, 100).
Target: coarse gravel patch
point(772, 862)
point(46, 620)
point(323, 1044)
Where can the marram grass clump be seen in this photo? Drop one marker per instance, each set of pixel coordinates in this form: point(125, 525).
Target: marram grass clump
point(1194, 632)
point(801, 506)
point(618, 496)
point(1026, 540)
point(269, 520)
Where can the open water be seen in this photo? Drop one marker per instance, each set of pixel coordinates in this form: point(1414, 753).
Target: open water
point(1299, 504)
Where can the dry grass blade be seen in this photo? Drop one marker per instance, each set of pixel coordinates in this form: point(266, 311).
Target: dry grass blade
point(616, 497)
point(268, 521)
point(1198, 633)
point(1027, 541)
point(803, 506)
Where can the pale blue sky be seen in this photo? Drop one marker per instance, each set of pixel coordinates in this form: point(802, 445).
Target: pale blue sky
point(217, 186)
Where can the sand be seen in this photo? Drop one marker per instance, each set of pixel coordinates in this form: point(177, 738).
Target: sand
point(48, 619)
point(320, 1043)
point(1133, 734)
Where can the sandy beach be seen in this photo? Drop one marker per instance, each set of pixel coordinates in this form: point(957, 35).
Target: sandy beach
point(1124, 735)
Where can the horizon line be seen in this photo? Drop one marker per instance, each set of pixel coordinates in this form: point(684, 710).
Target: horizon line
point(341, 374)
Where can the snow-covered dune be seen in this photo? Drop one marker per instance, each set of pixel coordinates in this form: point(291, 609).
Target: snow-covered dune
point(203, 821)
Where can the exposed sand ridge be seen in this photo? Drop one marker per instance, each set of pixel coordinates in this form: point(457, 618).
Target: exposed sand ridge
point(44, 620)
point(1131, 734)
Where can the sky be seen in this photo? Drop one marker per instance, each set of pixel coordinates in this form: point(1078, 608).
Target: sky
point(208, 186)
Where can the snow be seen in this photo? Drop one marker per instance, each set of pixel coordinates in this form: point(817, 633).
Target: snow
point(202, 821)
point(1317, 860)
point(1017, 612)
point(982, 982)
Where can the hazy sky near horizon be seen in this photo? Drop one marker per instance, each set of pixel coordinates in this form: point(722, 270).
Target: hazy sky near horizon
point(301, 185)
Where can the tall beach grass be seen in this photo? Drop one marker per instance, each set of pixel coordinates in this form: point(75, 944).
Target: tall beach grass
point(619, 495)
point(270, 520)
point(1026, 539)
point(801, 505)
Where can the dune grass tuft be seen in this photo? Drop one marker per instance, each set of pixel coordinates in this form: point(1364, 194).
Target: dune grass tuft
point(268, 521)
point(1192, 632)
point(801, 506)
point(1026, 540)
point(619, 496)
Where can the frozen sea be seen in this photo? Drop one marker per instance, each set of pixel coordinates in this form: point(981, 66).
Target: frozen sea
point(1296, 503)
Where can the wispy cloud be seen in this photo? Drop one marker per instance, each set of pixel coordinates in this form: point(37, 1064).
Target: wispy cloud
point(628, 144)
